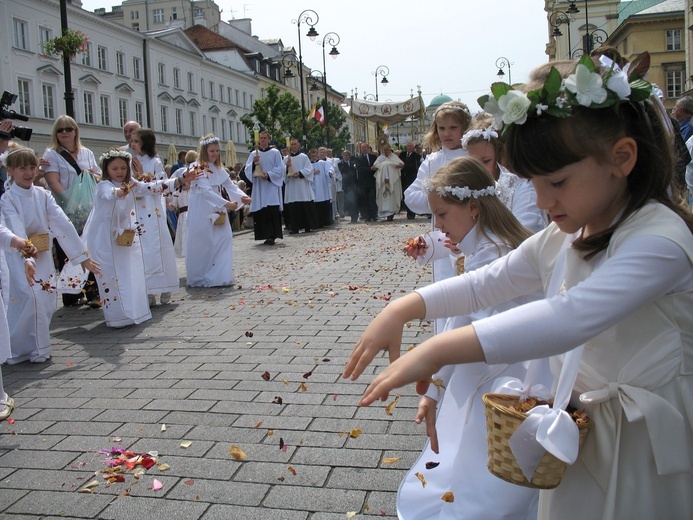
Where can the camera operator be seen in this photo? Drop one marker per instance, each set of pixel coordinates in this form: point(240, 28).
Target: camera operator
point(5, 129)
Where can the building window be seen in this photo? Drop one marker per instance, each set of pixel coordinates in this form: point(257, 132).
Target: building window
point(231, 130)
point(176, 78)
point(162, 74)
point(245, 100)
point(223, 131)
point(211, 90)
point(122, 112)
point(240, 136)
point(674, 39)
point(120, 63)
point(102, 54)
point(229, 92)
point(48, 101)
point(164, 119)
point(214, 125)
point(674, 82)
point(24, 96)
point(136, 27)
point(221, 93)
point(199, 13)
point(193, 123)
point(45, 34)
point(252, 100)
point(86, 56)
point(137, 68)
point(238, 98)
point(158, 16)
point(89, 108)
point(174, 13)
point(179, 121)
point(202, 87)
point(105, 111)
point(204, 124)
point(134, 15)
point(191, 82)
point(139, 113)
point(21, 34)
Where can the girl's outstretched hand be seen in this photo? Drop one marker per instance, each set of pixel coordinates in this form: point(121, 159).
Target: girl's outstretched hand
point(30, 272)
point(384, 333)
point(414, 366)
point(91, 265)
point(427, 412)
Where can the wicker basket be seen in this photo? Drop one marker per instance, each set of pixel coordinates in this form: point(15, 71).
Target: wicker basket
point(221, 219)
point(501, 422)
point(126, 238)
point(41, 242)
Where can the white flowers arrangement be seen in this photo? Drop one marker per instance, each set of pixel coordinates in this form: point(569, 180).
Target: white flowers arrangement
point(558, 96)
point(486, 134)
point(460, 192)
point(111, 154)
point(207, 142)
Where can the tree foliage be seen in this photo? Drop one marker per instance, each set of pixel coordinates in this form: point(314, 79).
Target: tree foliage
point(280, 114)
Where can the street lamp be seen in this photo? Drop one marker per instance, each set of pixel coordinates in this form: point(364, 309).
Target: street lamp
point(368, 97)
point(557, 19)
point(333, 40)
point(288, 61)
point(311, 18)
point(383, 71)
point(67, 66)
point(501, 63)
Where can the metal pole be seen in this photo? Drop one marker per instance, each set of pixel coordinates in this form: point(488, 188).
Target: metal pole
point(69, 95)
point(306, 16)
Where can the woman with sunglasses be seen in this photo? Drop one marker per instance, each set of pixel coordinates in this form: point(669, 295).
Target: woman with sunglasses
point(67, 158)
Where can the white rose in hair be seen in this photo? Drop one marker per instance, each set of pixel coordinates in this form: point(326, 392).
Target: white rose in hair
point(618, 83)
point(514, 105)
point(586, 85)
point(491, 107)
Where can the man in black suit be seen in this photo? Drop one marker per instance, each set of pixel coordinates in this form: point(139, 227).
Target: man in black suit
point(348, 168)
point(365, 182)
point(411, 161)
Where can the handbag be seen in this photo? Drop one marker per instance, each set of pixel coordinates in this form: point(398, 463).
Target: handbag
point(78, 199)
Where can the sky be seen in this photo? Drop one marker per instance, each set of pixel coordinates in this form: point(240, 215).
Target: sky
point(445, 46)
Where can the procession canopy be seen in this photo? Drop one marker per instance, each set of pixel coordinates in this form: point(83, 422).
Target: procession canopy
point(388, 112)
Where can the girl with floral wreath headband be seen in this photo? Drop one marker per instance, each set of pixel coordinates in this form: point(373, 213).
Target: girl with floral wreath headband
point(450, 122)
point(113, 234)
point(209, 244)
point(463, 198)
point(483, 143)
point(616, 266)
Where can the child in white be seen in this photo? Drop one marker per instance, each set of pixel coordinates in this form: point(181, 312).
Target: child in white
point(209, 250)
point(179, 200)
point(157, 245)
point(29, 211)
point(618, 261)
point(465, 206)
point(9, 241)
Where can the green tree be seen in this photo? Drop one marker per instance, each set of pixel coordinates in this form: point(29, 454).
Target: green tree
point(275, 113)
point(336, 129)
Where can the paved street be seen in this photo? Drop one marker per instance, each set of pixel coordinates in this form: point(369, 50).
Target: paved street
point(209, 371)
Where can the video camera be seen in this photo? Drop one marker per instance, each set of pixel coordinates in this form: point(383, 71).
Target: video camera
point(19, 132)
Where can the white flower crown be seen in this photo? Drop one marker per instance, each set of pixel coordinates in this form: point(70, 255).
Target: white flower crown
point(110, 154)
point(453, 107)
point(207, 142)
point(460, 192)
point(487, 133)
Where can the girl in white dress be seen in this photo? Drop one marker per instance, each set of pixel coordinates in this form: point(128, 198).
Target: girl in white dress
point(122, 284)
point(483, 143)
point(9, 241)
point(157, 246)
point(30, 211)
point(463, 198)
point(450, 122)
point(179, 200)
point(617, 266)
point(209, 251)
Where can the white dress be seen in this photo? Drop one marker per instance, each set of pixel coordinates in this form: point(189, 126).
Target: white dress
point(519, 196)
point(632, 307)
point(299, 189)
point(321, 181)
point(461, 429)
point(159, 257)
point(180, 200)
point(122, 285)
point(209, 247)
point(30, 309)
point(6, 237)
point(266, 193)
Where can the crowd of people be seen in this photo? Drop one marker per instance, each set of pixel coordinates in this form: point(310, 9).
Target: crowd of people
point(561, 245)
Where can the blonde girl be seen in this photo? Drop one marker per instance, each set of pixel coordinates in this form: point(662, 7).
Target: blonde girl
point(463, 198)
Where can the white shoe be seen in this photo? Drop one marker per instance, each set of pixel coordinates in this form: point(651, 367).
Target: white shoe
point(165, 298)
point(6, 407)
point(152, 300)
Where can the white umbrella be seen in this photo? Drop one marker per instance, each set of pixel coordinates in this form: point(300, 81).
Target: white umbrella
point(230, 155)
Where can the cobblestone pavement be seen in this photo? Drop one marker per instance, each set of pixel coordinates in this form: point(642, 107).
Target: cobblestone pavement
point(208, 372)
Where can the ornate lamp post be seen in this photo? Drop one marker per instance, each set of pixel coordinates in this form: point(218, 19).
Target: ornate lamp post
point(369, 97)
point(311, 18)
point(383, 71)
point(331, 39)
point(288, 61)
point(501, 63)
point(557, 19)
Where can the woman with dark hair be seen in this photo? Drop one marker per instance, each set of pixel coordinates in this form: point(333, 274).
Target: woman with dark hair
point(159, 256)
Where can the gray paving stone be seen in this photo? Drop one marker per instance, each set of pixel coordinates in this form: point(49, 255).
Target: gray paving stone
point(36, 459)
point(319, 499)
point(40, 503)
point(9, 497)
point(220, 492)
point(337, 457)
point(273, 473)
point(129, 508)
point(194, 418)
point(366, 479)
point(224, 512)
